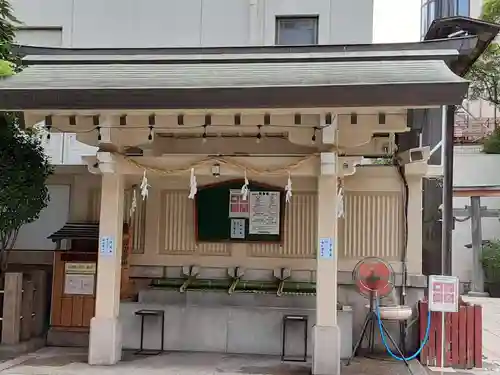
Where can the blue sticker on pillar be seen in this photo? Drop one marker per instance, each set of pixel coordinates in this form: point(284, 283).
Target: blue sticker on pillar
point(326, 248)
point(106, 245)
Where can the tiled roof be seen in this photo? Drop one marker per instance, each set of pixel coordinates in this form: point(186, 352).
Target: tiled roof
point(77, 231)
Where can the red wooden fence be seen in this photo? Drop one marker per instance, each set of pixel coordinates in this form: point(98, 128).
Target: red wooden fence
point(463, 332)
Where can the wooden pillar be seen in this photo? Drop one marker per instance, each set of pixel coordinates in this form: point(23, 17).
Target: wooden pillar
point(11, 323)
point(39, 278)
point(27, 309)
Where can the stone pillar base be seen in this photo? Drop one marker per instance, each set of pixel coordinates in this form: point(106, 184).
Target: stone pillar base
point(326, 353)
point(105, 344)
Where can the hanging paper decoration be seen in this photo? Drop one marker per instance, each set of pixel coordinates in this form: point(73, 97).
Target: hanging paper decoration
point(193, 187)
point(133, 205)
point(288, 189)
point(340, 202)
point(144, 186)
point(244, 188)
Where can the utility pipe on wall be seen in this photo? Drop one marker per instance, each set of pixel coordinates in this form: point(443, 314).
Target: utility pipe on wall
point(448, 123)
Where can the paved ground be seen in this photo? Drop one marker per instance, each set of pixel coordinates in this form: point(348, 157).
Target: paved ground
point(59, 361)
point(64, 361)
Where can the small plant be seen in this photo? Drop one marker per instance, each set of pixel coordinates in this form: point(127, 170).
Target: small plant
point(385, 160)
point(491, 144)
point(491, 260)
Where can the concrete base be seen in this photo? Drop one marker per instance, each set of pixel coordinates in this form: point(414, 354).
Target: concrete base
point(326, 352)
point(58, 337)
point(478, 294)
point(105, 344)
point(241, 323)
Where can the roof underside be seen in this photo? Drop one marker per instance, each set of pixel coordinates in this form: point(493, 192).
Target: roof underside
point(235, 83)
point(485, 33)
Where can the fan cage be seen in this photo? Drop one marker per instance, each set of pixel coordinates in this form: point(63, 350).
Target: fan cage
point(361, 283)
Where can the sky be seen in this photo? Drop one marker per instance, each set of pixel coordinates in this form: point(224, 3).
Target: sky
point(396, 21)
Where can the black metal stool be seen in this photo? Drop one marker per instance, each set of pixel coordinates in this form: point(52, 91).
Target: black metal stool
point(153, 313)
point(294, 318)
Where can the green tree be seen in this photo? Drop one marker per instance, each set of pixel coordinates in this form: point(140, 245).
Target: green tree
point(24, 166)
point(491, 11)
point(485, 75)
point(8, 27)
point(491, 145)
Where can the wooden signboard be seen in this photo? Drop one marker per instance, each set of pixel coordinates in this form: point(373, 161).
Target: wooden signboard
point(73, 290)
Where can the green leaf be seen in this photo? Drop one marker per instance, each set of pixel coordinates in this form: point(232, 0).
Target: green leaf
point(485, 73)
point(491, 11)
point(6, 68)
point(491, 145)
point(490, 256)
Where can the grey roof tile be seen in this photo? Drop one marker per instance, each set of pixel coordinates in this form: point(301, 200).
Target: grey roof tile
point(229, 75)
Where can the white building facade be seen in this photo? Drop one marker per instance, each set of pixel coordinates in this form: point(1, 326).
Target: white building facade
point(192, 23)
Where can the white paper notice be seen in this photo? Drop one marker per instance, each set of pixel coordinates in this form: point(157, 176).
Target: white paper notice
point(326, 248)
point(238, 229)
point(443, 293)
point(79, 284)
point(107, 245)
point(237, 206)
point(264, 212)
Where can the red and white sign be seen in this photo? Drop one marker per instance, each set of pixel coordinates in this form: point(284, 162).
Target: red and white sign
point(238, 208)
point(443, 293)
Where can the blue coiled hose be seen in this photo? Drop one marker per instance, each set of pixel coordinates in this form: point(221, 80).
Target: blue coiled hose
point(382, 334)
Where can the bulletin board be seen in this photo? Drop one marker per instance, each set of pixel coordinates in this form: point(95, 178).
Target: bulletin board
point(222, 215)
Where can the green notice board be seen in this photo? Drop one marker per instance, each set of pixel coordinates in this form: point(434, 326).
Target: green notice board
point(223, 216)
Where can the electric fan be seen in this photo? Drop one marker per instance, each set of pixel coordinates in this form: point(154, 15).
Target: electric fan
point(374, 279)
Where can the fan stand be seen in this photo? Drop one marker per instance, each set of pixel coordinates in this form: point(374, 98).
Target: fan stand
point(371, 321)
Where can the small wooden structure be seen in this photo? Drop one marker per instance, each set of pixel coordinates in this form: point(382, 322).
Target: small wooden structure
point(75, 276)
point(463, 337)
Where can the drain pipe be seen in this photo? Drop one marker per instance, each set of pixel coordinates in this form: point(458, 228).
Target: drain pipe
point(404, 271)
point(447, 211)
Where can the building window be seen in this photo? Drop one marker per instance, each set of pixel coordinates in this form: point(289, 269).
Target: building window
point(296, 30)
point(424, 22)
point(430, 11)
point(463, 8)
